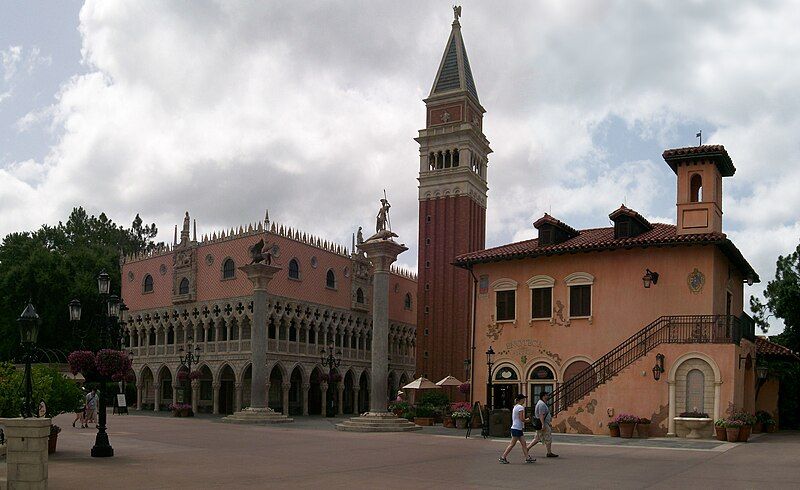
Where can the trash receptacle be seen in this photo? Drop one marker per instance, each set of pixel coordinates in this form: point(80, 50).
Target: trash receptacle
point(500, 422)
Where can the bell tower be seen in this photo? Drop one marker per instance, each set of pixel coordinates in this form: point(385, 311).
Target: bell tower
point(700, 170)
point(452, 211)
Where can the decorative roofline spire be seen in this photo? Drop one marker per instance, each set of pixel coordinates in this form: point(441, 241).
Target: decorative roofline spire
point(456, 15)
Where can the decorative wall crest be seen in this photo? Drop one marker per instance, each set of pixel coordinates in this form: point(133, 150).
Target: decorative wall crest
point(696, 280)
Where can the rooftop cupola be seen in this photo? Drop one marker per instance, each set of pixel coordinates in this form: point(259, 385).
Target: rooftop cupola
point(628, 223)
point(553, 231)
point(700, 170)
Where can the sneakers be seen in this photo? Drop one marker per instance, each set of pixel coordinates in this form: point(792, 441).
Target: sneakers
point(552, 455)
point(503, 460)
point(530, 460)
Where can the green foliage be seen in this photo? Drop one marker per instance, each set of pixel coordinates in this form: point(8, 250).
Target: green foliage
point(55, 264)
point(435, 398)
point(426, 411)
point(60, 394)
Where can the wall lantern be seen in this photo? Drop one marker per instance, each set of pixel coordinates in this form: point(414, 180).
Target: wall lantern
point(659, 367)
point(649, 278)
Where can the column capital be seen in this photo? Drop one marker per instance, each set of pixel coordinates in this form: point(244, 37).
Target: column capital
point(216, 385)
point(306, 386)
point(323, 386)
point(238, 386)
point(259, 274)
point(286, 386)
point(382, 252)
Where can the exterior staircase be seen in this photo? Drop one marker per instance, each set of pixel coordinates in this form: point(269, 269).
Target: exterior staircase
point(684, 329)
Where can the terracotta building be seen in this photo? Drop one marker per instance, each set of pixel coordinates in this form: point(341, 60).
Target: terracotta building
point(452, 212)
point(638, 317)
point(193, 290)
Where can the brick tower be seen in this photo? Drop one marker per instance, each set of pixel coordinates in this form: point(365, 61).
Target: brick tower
point(452, 212)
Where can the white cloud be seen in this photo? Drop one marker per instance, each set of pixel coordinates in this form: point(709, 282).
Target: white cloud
point(310, 108)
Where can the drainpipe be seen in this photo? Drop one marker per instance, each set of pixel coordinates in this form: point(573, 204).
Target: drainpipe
point(472, 339)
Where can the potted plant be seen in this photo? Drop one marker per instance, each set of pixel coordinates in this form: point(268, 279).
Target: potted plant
point(461, 414)
point(53, 439)
point(747, 421)
point(180, 409)
point(719, 430)
point(695, 421)
point(613, 429)
point(626, 424)
point(732, 427)
point(643, 428)
point(771, 425)
point(425, 415)
point(399, 408)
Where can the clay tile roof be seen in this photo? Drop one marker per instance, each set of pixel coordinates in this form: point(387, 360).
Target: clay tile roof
point(547, 219)
point(596, 239)
point(766, 348)
point(716, 153)
point(626, 211)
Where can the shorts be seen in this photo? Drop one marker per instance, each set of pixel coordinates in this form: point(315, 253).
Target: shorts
point(545, 435)
point(516, 433)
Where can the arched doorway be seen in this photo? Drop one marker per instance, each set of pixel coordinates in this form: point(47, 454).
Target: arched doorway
point(184, 385)
point(296, 392)
point(227, 384)
point(205, 402)
point(165, 388)
point(349, 401)
point(581, 385)
point(148, 392)
point(314, 394)
point(540, 380)
point(276, 389)
point(363, 393)
point(505, 387)
point(332, 397)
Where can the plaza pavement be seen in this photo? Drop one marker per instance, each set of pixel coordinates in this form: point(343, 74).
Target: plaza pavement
point(165, 452)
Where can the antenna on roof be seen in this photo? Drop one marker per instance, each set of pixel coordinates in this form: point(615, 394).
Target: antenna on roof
point(699, 135)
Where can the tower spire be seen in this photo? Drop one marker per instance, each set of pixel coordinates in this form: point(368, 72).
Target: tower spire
point(454, 74)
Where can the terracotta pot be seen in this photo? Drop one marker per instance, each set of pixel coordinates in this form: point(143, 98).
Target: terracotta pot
point(772, 428)
point(732, 434)
point(758, 428)
point(425, 421)
point(51, 443)
point(613, 431)
point(643, 430)
point(461, 423)
point(626, 430)
point(719, 433)
point(744, 433)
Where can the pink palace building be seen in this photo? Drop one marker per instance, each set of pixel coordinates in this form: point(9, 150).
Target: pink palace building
point(192, 294)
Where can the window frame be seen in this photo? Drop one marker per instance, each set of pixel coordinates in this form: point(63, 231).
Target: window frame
point(502, 285)
point(180, 286)
point(289, 269)
point(328, 275)
point(580, 279)
point(408, 301)
point(144, 284)
point(233, 271)
point(541, 282)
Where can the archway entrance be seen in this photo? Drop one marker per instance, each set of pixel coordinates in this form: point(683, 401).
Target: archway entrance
point(148, 394)
point(206, 395)
point(276, 389)
point(349, 402)
point(363, 393)
point(165, 388)
point(505, 387)
point(314, 394)
point(296, 393)
point(542, 380)
point(226, 390)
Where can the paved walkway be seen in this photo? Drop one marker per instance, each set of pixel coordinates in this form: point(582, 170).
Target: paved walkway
point(165, 452)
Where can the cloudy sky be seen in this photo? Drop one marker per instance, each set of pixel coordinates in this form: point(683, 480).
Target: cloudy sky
point(309, 109)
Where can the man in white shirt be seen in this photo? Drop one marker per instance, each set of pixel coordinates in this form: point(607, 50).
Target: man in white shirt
point(517, 425)
point(545, 434)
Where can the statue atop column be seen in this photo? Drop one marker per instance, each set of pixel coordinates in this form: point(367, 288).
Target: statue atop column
point(383, 225)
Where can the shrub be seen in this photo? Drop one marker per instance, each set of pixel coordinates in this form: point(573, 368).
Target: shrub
point(402, 407)
point(60, 394)
point(720, 423)
point(435, 398)
point(643, 421)
point(613, 425)
point(744, 417)
point(176, 407)
point(763, 416)
point(425, 411)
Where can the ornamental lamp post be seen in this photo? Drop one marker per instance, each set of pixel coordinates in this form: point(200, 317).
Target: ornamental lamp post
point(28, 333)
point(103, 283)
point(75, 310)
point(489, 363)
point(187, 358)
point(332, 358)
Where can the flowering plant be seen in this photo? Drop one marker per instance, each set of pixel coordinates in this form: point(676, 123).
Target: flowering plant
point(733, 424)
point(464, 388)
point(694, 414)
point(177, 407)
point(744, 417)
point(81, 361)
point(113, 363)
point(461, 406)
point(626, 418)
point(461, 414)
point(719, 423)
point(612, 425)
point(643, 421)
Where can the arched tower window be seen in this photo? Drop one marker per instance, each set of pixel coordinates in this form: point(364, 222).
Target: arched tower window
point(294, 269)
point(455, 158)
point(330, 279)
point(183, 288)
point(359, 296)
point(696, 189)
point(147, 287)
point(407, 301)
point(228, 268)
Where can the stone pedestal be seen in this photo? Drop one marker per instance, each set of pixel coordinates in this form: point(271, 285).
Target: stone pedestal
point(258, 412)
point(382, 251)
point(26, 455)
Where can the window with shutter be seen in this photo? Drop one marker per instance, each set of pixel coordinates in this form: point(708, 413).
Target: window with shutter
point(541, 303)
point(580, 301)
point(506, 305)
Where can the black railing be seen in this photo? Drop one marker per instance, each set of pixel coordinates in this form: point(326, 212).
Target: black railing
point(686, 329)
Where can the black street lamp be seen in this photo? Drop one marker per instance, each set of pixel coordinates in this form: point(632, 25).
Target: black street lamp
point(110, 337)
point(187, 358)
point(28, 333)
point(490, 363)
point(332, 358)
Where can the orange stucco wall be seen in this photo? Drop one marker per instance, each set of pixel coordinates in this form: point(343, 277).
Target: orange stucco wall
point(621, 306)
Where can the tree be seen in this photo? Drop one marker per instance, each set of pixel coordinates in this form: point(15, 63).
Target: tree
point(54, 264)
point(783, 300)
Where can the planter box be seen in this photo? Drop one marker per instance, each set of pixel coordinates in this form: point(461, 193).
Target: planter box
point(461, 423)
point(613, 431)
point(719, 433)
point(626, 430)
point(643, 430)
point(744, 433)
point(732, 434)
point(424, 421)
point(758, 428)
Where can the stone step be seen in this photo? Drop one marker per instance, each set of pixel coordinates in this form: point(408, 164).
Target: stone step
point(372, 424)
point(356, 428)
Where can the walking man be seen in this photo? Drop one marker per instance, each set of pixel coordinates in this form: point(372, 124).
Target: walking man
point(91, 406)
point(517, 424)
point(544, 433)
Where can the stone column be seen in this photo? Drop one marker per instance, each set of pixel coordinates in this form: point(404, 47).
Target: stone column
point(260, 275)
point(671, 422)
point(382, 253)
point(139, 393)
point(215, 387)
point(156, 394)
point(306, 387)
point(238, 387)
point(340, 397)
point(717, 397)
point(195, 394)
point(174, 393)
point(323, 388)
point(356, 399)
point(285, 399)
point(26, 455)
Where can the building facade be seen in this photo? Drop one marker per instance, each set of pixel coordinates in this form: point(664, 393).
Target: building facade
point(192, 294)
point(639, 317)
point(452, 212)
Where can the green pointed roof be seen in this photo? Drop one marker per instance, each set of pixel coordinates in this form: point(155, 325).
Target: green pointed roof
point(454, 72)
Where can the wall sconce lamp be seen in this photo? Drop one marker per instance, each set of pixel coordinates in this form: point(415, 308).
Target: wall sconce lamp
point(659, 367)
point(649, 278)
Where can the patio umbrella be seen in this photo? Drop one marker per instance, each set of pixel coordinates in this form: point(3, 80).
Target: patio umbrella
point(420, 384)
point(449, 381)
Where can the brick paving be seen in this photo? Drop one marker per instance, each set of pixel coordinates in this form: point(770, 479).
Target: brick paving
point(165, 452)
